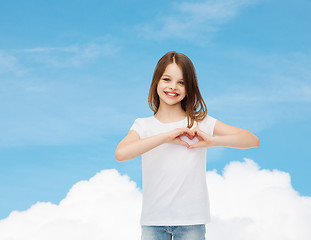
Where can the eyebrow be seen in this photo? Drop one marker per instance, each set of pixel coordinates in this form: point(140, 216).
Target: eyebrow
point(170, 76)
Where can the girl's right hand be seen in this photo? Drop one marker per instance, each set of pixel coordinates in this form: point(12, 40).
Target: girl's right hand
point(173, 136)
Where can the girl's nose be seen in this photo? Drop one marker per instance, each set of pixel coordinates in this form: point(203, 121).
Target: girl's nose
point(173, 86)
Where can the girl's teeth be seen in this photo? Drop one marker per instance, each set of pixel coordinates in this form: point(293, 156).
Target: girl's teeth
point(171, 94)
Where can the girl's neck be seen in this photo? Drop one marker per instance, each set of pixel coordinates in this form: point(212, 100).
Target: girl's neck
point(170, 114)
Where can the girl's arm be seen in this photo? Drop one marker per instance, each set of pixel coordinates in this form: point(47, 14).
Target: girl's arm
point(132, 146)
point(234, 137)
point(226, 136)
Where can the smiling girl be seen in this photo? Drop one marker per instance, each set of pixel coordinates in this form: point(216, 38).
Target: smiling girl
point(173, 144)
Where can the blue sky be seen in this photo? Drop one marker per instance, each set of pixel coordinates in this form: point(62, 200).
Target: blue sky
point(75, 75)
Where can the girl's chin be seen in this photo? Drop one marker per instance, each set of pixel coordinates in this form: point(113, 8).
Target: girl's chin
point(170, 102)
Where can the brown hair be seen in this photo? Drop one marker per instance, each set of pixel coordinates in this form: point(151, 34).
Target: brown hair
point(193, 99)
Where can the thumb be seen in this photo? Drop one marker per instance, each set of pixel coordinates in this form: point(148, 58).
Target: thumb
point(196, 145)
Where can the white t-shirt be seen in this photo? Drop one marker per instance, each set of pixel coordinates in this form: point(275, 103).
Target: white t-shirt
point(174, 177)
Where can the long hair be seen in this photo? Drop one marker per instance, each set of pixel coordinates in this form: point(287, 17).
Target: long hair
point(193, 99)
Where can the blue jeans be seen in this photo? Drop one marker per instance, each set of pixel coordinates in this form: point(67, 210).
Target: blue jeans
point(186, 232)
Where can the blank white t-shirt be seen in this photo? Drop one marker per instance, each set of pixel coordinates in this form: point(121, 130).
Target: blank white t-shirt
point(174, 177)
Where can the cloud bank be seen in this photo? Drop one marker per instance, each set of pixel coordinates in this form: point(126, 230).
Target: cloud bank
point(246, 203)
point(249, 203)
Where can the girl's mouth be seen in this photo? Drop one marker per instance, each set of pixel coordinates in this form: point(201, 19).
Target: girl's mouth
point(170, 94)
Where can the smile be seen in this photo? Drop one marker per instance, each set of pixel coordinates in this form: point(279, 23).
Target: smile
point(171, 94)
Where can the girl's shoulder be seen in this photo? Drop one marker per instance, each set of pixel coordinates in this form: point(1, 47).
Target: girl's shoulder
point(206, 119)
point(144, 120)
point(207, 124)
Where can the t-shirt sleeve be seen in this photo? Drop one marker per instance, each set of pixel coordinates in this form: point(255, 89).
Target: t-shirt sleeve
point(208, 125)
point(138, 127)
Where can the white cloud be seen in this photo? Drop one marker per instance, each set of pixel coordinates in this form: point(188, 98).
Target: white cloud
point(73, 49)
point(21, 61)
point(216, 10)
point(71, 56)
point(257, 204)
point(188, 20)
point(9, 63)
point(105, 207)
point(246, 203)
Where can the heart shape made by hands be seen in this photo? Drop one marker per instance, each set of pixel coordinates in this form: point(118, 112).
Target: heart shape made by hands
point(189, 141)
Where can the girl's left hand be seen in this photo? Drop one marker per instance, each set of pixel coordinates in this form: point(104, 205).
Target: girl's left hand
point(205, 140)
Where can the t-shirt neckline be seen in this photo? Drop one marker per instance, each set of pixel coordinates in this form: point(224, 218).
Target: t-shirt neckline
point(169, 122)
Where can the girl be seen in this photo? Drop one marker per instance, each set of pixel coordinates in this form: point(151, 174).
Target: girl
point(173, 144)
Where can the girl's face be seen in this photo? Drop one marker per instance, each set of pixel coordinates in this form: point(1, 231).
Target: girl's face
point(171, 86)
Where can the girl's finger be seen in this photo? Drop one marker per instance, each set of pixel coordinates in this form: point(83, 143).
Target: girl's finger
point(187, 132)
point(199, 132)
point(190, 136)
point(196, 145)
point(193, 132)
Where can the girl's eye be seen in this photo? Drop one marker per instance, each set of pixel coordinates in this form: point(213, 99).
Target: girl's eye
point(182, 83)
point(165, 79)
